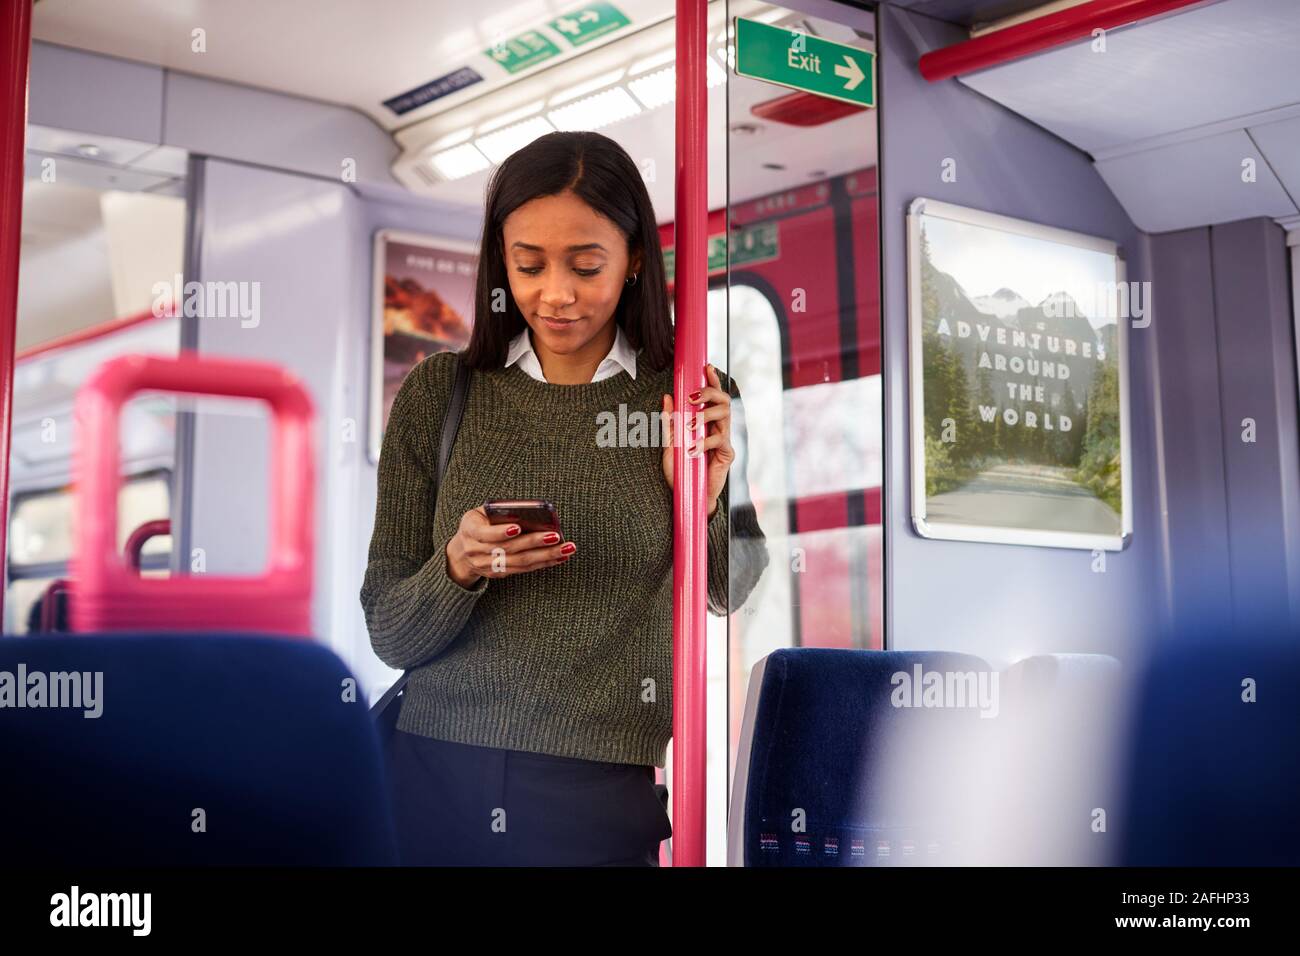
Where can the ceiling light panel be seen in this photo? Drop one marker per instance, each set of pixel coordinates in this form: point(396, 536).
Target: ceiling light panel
point(585, 89)
point(593, 112)
point(459, 162)
point(497, 146)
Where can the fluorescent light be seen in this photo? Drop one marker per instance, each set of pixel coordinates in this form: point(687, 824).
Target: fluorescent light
point(596, 111)
point(661, 58)
point(590, 86)
point(499, 145)
point(655, 89)
point(452, 139)
point(459, 162)
point(590, 104)
point(660, 87)
point(514, 116)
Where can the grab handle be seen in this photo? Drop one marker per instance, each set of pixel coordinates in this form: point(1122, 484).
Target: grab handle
point(136, 542)
point(107, 594)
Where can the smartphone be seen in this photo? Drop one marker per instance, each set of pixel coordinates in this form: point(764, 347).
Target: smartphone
point(531, 515)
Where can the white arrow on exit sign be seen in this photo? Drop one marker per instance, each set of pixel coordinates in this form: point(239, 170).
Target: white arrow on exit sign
point(850, 71)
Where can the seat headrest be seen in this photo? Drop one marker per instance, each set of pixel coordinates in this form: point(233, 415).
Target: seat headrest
point(267, 743)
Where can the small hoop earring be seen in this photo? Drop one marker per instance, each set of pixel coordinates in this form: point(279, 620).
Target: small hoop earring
point(631, 280)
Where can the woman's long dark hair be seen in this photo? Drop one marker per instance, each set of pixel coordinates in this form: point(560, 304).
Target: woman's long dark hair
point(600, 173)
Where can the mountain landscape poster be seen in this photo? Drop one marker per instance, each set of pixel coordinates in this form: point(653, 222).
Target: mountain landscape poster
point(1018, 381)
point(423, 300)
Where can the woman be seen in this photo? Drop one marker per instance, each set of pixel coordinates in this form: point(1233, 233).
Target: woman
point(540, 699)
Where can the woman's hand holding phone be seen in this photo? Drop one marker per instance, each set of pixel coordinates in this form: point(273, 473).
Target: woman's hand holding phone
point(480, 549)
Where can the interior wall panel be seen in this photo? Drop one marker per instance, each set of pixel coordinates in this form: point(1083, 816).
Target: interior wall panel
point(1002, 602)
point(1257, 370)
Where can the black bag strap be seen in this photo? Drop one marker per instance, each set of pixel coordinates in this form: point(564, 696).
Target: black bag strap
point(450, 426)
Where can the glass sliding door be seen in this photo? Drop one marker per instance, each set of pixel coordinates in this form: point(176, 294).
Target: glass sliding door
point(795, 320)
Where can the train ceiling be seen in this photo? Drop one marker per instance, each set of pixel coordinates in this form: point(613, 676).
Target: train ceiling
point(1191, 119)
point(968, 12)
point(1168, 113)
point(363, 54)
point(353, 52)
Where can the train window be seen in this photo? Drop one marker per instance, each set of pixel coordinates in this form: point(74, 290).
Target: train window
point(42, 524)
point(799, 321)
point(41, 538)
point(20, 603)
point(40, 528)
point(744, 319)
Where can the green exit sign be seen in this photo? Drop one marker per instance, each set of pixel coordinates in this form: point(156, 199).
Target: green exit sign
point(589, 23)
point(803, 62)
point(521, 52)
point(717, 254)
point(750, 245)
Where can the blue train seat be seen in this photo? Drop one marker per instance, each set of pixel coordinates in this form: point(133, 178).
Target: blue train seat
point(212, 749)
point(817, 766)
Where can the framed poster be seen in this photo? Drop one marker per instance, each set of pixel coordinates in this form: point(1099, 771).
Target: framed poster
point(423, 303)
point(1019, 395)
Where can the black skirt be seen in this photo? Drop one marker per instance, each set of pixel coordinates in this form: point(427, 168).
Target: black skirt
point(461, 805)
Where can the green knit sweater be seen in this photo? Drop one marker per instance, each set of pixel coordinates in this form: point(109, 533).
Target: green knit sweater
point(573, 660)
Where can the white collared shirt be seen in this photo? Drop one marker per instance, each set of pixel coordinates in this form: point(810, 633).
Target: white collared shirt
point(620, 357)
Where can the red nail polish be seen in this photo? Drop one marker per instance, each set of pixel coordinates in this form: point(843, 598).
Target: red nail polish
point(551, 538)
point(694, 396)
point(569, 548)
point(512, 531)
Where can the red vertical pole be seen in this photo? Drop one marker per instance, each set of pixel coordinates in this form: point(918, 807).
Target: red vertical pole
point(690, 545)
point(15, 45)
